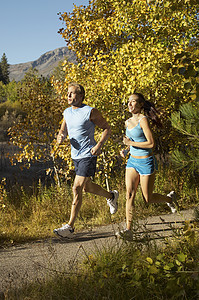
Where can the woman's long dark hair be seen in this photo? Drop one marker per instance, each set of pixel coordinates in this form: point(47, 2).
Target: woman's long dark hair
point(149, 109)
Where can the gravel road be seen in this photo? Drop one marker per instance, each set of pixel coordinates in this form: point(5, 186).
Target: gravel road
point(23, 263)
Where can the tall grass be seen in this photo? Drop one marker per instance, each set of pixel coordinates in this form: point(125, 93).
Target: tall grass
point(26, 216)
point(138, 270)
point(126, 271)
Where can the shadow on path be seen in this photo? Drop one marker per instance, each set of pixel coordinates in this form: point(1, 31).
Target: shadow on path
point(84, 236)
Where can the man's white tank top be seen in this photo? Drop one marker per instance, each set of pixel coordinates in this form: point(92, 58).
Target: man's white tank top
point(80, 130)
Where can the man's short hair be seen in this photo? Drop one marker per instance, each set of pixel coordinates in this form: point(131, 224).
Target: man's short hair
point(80, 88)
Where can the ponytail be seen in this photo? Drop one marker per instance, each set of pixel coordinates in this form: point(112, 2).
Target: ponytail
point(149, 109)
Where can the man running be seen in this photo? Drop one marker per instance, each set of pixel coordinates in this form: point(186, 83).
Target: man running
point(79, 124)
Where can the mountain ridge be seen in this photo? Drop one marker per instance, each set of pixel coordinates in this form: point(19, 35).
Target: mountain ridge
point(44, 64)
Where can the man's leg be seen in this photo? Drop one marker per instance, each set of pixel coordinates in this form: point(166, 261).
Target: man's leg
point(91, 187)
point(81, 183)
point(111, 197)
point(67, 230)
point(78, 185)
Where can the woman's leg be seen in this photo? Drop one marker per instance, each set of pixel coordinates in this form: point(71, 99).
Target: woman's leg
point(132, 181)
point(147, 184)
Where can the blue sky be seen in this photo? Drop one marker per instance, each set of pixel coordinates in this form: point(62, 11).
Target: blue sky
point(29, 28)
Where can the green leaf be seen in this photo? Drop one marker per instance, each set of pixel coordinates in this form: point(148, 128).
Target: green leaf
point(182, 257)
point(167, 268)
point(178, 263)
point(150, 261)
point(153, 270)
point(160, 257)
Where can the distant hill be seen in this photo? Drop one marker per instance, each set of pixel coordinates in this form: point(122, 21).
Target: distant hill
point(44, 64)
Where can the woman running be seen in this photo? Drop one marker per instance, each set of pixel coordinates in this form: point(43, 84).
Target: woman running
point(141, 165)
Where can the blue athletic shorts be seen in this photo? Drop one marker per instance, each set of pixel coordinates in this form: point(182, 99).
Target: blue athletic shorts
point(144, 166)
point(85, 167)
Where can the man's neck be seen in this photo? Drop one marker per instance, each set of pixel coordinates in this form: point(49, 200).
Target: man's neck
point(76, 106)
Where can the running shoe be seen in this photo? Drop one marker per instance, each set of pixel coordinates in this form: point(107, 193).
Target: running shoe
point(66, 231)
point(112, 203)
point(173, 204)
point(125, 234)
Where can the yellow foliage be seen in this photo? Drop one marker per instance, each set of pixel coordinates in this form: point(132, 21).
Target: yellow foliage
point(121, 46)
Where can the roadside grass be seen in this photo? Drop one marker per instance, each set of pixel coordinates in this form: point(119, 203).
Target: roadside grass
point(127, 271)
point(26, 217)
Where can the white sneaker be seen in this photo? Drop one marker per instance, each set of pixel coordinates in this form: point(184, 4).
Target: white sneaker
point(125, 234)
point(66, 231)
point(112, 203)
point(173, 203)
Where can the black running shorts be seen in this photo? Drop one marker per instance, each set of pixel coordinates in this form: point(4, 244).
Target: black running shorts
point(85, 167)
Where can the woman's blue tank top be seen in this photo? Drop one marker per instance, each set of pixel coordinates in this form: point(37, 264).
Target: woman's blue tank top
point(80, 131)
point(136, 134)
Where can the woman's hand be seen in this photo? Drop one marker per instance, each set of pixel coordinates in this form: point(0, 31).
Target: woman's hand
point(127, 141)
point(124, 152)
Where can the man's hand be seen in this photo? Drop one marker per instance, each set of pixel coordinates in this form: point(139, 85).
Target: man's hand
point(96, 150)
point(62, 133)
point(97, 119)
point(60, 138)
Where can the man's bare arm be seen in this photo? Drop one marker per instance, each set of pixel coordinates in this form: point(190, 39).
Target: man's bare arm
point(62, 132)
point(97, 118)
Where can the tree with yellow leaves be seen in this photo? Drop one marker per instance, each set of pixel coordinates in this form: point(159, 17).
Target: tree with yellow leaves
point(121, 46)
point(35, 132)
point(127, 46)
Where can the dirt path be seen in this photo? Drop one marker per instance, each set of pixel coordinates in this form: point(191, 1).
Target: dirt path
point(23, 263)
